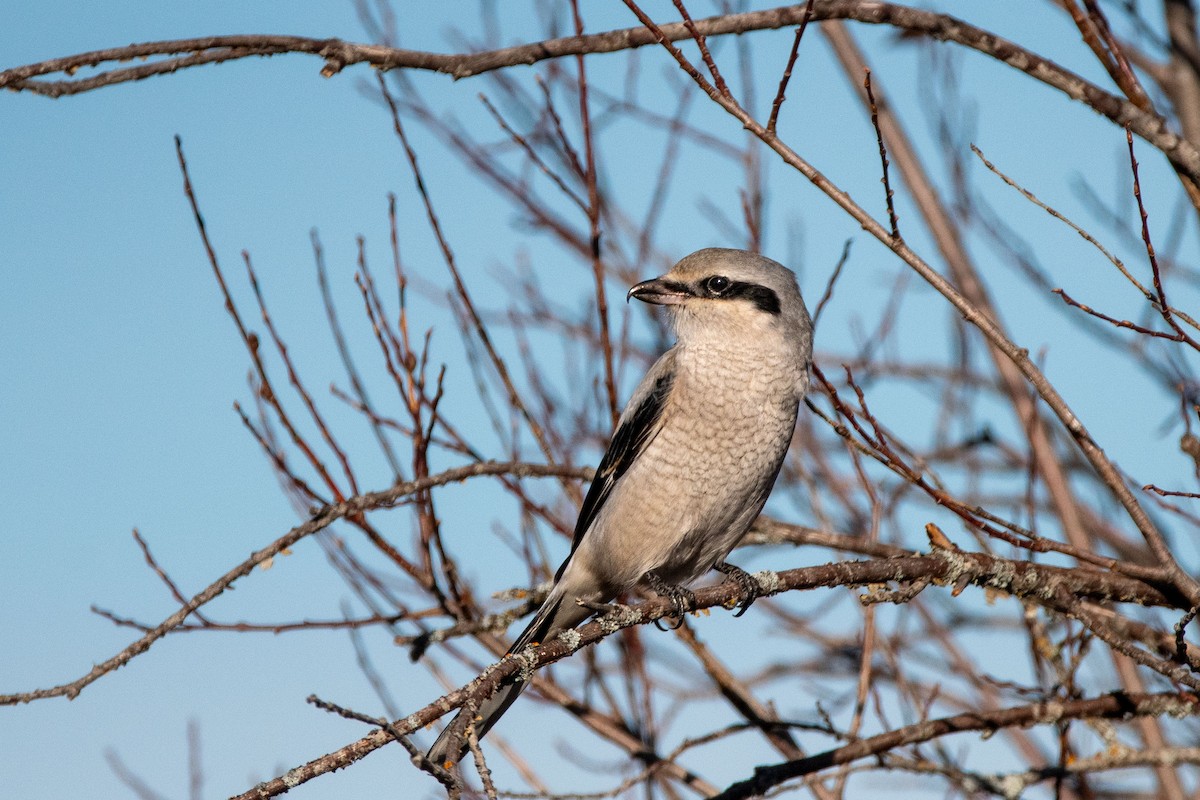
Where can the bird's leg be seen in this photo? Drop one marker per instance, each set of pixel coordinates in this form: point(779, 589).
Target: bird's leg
point(681, 598)
point(746, 583)
point(599, 608)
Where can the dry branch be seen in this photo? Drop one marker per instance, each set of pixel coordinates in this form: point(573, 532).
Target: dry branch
point(339, 54)
point(944, 567)
point(1111, 706)
point(1046, 473)
point(319, 521)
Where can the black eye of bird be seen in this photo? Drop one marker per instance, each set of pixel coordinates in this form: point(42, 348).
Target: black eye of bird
point(717, 284)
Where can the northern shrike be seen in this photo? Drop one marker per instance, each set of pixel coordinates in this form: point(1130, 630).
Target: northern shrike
point(695, 452)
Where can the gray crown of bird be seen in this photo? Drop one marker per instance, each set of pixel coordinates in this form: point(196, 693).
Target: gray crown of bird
point(694, 455)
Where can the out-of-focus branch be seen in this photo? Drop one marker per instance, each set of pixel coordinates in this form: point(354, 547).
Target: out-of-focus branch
point(1183, 69)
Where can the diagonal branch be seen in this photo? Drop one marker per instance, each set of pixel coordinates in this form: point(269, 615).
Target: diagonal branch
point(319, 521)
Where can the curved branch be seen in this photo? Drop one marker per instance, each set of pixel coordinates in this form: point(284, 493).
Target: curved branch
point(319, 521)
point(339, 54)
point(1118, 705)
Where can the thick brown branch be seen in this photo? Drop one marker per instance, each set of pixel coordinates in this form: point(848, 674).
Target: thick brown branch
point(1033, 582)
point(1111, 706)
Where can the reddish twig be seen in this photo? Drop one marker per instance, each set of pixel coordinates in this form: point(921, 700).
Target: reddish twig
point(777, 104)
point(703, 45)
point(1164, 308)
point(162, 574)
point(1150, 487)
point(533, 156)
point(305, 396)
point(1116, 63)
point(1120, 323)
point(887, 186)
point(356, 384)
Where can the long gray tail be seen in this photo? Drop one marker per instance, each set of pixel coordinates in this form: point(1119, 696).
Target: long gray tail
point(556, 614)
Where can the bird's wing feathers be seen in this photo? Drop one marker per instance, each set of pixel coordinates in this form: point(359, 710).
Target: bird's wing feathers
point(639, 424)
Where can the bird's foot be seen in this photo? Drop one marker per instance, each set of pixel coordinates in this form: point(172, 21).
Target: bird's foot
point(681, 598)
point(746, 584)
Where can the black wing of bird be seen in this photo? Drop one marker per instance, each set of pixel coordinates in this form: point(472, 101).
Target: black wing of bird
point(637, 428)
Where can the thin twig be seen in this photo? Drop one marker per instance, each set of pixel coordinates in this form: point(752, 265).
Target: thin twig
point(780, 96)
point(887, 186)
point(827, 295)
point(1164, 308)
point(321, 520)
point(698, 36)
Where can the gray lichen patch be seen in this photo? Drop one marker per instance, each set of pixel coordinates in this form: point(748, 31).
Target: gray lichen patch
point(621, 616)
point(570, 637)
point(768, 581)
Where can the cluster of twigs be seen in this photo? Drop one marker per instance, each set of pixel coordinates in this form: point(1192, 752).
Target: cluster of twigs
point(1077, 554)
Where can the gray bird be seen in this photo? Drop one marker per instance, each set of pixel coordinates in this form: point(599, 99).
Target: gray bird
point(695, 452)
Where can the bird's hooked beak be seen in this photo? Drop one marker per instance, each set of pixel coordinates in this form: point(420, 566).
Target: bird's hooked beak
point(660, 292)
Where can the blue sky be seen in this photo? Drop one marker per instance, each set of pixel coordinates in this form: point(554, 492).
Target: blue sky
point(120, 366)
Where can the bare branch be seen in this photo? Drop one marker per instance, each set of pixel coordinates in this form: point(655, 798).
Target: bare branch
point(339, 54)
point(319, 521)
point(1113, 706)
